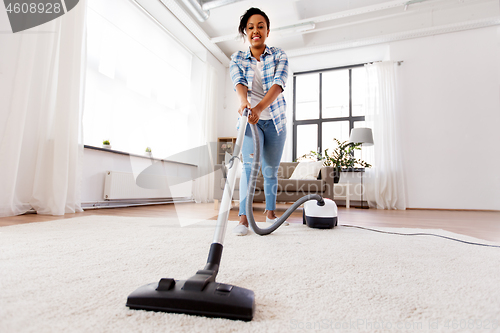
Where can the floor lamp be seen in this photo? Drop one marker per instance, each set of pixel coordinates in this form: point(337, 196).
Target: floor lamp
point(364, 136)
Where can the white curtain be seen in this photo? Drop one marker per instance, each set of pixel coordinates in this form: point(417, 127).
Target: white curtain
point(41, 146)
point(203, 187)
point(384, 182)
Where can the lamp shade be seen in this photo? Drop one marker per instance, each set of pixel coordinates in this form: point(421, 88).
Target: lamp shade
point(362, 135)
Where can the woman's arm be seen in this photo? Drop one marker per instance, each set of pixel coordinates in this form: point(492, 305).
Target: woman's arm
point(242, 91)
point(239, 81)
point(268, 99)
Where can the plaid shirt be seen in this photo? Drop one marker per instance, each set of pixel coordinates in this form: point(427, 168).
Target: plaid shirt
point(275, 71)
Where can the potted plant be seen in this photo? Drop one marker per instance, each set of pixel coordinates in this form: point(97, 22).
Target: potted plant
point(342, 157)
point(148, 152)
point(226, 147)
point(106, 144)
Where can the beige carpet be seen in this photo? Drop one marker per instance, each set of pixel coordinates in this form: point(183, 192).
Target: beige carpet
point(74, 275)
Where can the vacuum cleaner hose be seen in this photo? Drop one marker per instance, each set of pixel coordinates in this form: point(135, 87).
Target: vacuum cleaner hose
point(251, 191)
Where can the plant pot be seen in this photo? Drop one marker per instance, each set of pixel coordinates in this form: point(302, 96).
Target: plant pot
point(336, 176)
point(106, 146)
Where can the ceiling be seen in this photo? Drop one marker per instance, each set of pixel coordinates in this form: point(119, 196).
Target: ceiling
point(333, 24)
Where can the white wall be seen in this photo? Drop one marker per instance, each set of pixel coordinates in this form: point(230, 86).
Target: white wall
point(449, 111)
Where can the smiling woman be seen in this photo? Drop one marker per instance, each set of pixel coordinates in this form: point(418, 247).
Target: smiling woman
point(259, 76)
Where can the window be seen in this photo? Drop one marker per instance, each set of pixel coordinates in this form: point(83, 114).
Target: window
point(327, 105)
point(138, 83)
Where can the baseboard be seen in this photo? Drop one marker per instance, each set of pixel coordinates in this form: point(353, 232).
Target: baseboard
point(132, 203)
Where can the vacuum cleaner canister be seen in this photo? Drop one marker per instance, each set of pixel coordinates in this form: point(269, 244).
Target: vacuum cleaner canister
point(316, 215)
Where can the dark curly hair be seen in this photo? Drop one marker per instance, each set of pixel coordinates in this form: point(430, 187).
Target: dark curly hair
point(245, 17)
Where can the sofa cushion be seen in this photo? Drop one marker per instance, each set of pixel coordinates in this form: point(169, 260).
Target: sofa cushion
point(286, 169)
point(307, 170)
point(298, 185)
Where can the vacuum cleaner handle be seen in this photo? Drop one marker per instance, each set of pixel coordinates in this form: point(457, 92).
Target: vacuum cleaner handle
point(225, 207)
point(203, 277)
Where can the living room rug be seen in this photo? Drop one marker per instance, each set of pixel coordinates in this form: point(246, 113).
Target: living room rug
point(74, 275)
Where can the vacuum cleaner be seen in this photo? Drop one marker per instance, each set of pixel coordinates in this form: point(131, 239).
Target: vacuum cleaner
point(201, 294)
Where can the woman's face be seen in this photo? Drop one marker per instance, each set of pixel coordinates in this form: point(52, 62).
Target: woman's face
point(257, 30)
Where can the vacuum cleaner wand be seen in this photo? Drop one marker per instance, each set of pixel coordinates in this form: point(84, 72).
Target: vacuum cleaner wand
point(201, 294)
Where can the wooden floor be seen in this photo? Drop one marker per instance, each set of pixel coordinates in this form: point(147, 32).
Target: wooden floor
point(480, 224)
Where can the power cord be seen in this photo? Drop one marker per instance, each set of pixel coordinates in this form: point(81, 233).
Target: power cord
point(417, 234)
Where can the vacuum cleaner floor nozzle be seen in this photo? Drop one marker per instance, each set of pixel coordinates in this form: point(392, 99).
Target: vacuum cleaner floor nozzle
point(215, 300)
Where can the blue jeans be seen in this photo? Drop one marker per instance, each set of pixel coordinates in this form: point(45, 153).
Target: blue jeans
point(271, 149)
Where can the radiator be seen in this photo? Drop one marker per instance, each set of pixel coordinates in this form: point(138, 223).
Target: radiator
point(122, 185)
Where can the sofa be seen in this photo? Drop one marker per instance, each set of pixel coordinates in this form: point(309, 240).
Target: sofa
point(289, 190)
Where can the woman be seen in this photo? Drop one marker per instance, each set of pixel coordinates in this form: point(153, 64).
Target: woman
point(259, 76)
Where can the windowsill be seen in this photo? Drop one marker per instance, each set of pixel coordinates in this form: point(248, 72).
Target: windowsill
point(136, 155)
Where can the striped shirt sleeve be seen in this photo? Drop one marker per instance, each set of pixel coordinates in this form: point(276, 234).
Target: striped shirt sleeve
point(281, 73)
point(236, 70)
